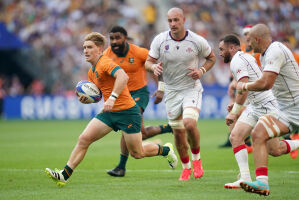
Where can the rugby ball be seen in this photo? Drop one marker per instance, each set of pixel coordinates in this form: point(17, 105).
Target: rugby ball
point(89, 90)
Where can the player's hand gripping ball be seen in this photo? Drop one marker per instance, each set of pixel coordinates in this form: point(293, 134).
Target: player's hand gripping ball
point(89, 90)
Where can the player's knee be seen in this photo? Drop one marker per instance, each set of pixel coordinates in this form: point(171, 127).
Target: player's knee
point(136, 155)
point(189, 124)
point(274, 151)
point(144, 134)
point(84, 140)
point(233, 138)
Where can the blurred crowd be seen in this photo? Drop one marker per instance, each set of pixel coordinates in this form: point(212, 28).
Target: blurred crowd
point(55, 29)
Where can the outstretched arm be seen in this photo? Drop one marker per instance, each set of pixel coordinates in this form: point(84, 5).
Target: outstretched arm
point(266, 82)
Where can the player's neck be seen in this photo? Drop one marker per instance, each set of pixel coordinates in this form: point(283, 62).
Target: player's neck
point(265, 46)
point(179, 36)
point(96, 60)
point(126, 48)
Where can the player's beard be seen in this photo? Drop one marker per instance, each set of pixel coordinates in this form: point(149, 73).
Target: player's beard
point(120, 49)
point(227, 58)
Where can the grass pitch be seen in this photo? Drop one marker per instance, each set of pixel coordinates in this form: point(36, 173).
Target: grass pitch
point(28, 147)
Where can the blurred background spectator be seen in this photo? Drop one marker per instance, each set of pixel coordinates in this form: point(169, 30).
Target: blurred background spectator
point(53, 32)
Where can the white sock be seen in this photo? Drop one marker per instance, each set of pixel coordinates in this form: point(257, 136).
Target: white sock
point(242, 160)
point(195, 156)
point(263, 179)
point(294, 144)
point(187, 165)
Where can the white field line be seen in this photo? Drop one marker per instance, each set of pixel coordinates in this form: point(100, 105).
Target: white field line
point(136, 170)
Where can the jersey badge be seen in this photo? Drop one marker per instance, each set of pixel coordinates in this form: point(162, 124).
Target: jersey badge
point(177, 47)
point(167, 47)
point(238, 71)
point(131, 59)
point(122, 60)
point(189, 50)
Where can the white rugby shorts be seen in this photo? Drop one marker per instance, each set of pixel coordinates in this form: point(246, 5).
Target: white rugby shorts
point(253, 112)
point(176, 101)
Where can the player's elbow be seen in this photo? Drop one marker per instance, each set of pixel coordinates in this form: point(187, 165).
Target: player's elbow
point(212, 58)
point(126, 78)
point(266, 85)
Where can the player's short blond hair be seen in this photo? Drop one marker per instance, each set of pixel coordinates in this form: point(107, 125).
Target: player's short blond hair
point(97, 38)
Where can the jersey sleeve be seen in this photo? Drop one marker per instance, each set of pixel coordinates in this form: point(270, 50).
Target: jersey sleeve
point(274, 60)
point(110, 67)
point(239, 69)
point(204, 47)
point(155, 48)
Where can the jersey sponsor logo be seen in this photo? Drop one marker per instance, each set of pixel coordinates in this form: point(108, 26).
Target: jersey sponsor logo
point(189, 50)
point(137, 99)
point(130, 125)
point(270, 62)
point(238, 71)
point(177, 47)
point(122, 60)
point(131, 59)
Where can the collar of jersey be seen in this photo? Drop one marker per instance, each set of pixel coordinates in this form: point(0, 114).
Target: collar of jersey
point(186, 34)
point(126, 51)
point(94, 67)
point(266, 49)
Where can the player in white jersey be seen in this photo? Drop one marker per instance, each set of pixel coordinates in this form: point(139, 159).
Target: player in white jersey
point(281, 73)
point(176, 54)
point(244, 69)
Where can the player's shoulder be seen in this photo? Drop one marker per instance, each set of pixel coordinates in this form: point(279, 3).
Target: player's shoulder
point(138, 51)
point(275, 49)
point(134, 48)
point(105, 60)
point(194, 36)
point(162, 36)
point(107, 51)
point(241, 58)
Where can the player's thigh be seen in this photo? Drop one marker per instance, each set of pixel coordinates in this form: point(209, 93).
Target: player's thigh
point(193, 98)
point(174, 104)
point(133, 142)
point(269, 126)
point(128, 120)
point(273, 144)
point(95, 130)
point(240, 131)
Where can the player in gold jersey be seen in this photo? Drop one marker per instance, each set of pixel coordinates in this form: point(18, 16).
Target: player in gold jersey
point(120, 112)
point(131, 58)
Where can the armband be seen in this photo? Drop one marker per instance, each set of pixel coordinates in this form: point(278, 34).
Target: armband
point(113, 95)
point(236, 108)
point(245, 87)
point(161, 86)
point(203, 70)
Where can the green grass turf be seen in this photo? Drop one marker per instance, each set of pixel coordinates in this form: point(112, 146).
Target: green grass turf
point(28, 147)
